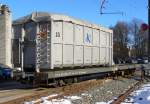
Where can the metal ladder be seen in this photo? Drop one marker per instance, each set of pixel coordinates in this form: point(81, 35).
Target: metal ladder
point(43, 47)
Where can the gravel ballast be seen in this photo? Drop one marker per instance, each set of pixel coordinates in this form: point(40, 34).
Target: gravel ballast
point(103, 93)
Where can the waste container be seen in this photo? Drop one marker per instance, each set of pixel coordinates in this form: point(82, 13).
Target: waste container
point(7, 73)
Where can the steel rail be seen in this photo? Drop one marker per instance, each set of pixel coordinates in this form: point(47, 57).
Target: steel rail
point(122, 97)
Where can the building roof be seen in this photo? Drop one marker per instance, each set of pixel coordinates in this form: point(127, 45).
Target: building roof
point(45, 17)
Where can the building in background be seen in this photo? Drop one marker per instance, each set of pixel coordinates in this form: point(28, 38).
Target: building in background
point(5, 36)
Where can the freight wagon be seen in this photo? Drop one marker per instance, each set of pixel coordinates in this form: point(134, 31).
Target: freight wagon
point(55, 45)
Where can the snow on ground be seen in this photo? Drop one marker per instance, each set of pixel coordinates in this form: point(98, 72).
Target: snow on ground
point(57, 101)
point(101, 103)
point(65, 100)
point(96, 95)
point(140, 96)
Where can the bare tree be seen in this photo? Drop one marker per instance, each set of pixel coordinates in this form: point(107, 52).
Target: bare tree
point(121, 40)
point(139, 38)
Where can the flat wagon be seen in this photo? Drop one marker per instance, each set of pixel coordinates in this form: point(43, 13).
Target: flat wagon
point(45, 43)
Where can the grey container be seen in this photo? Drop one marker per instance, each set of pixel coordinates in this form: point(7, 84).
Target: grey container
point(53, 40)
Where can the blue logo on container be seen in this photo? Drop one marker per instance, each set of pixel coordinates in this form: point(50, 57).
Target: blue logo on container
point(88, 38)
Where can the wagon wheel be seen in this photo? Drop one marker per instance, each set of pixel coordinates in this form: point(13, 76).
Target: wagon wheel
point(75, 80)
point(61, 83)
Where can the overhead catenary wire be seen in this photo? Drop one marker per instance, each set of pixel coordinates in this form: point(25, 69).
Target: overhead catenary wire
point(102, 3)
point(102, 6)
point(113, 13)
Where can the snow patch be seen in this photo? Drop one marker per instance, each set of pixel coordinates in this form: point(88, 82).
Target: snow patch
point(86, 94)
point(148, 98)
point(29, 102)
point(109, 92)
point(53, 95)
point(57, 101)
point(73, 97)
point(101, 103)
point(65, 100)
point(141, 96)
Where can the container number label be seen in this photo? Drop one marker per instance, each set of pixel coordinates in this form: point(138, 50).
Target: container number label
point(57, 34)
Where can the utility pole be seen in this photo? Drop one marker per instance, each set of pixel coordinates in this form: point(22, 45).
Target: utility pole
point(149, 29)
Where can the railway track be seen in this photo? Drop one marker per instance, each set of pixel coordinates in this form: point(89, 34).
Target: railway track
point(35, 95)
point(122, 97)
point(61, 91)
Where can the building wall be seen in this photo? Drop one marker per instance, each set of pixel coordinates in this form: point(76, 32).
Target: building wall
point(5, 39)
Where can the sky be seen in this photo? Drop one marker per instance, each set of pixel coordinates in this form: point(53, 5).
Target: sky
point(88, 10)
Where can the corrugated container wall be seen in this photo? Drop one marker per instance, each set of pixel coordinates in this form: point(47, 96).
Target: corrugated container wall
point(62, 41)
point(79, 45)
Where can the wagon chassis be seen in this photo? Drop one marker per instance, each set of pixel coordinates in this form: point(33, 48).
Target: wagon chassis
point(62, 77)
